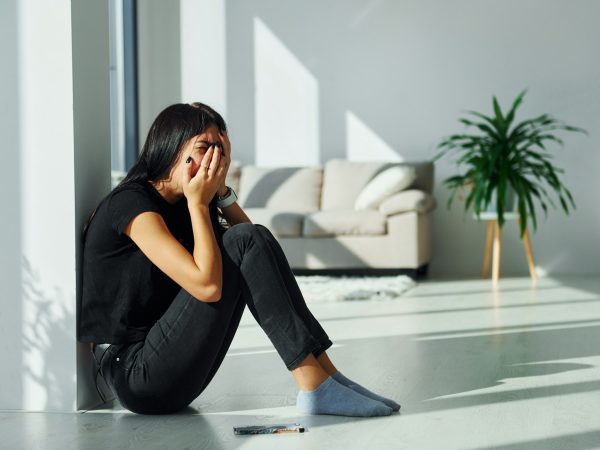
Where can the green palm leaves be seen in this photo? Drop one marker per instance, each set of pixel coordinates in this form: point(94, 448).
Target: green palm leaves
point(501, 154)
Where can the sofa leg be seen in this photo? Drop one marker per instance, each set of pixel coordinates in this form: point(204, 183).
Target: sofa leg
point(412, 273)
point(421, 272)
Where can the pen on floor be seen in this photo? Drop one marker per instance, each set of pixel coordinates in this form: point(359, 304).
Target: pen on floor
point(289, 430)
point(270, 429)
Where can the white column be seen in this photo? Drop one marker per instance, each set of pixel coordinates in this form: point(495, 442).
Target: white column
point(11, 341)
point(58, 146)
point(91, 147)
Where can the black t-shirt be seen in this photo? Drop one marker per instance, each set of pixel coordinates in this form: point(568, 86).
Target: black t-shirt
point(123, 292)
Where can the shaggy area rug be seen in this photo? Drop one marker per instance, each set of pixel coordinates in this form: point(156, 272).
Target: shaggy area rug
point(327, 289)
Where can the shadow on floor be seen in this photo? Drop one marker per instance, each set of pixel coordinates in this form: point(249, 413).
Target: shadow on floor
point(478, 290)
point(579, 441)
point(458, 365)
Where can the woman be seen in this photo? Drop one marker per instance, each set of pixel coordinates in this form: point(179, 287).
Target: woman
point(167, 276)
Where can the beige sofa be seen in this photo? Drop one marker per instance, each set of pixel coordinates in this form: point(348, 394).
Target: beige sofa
point(310, 210)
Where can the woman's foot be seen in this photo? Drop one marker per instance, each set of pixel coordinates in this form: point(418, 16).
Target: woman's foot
point(364, 391)
point(331, 397)
point(309, 374)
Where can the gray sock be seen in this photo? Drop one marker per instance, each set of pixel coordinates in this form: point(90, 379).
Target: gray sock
point(361, 390)
point(331, 397)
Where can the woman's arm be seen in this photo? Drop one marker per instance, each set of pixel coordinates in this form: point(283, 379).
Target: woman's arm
point(199, 274)
point(234, 212)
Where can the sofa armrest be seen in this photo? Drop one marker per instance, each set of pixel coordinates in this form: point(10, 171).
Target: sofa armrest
point(408, 200)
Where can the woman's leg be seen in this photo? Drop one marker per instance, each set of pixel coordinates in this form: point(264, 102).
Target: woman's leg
point(318, 392)
point(296, 296)
point(181, 352)
point(307, 374)
point(313, 370)
point(320, 354)
point(326, 363)
point(272, 294)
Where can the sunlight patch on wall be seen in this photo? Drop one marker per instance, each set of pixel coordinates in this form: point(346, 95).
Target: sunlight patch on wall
point(363, 144)
point(286, 104)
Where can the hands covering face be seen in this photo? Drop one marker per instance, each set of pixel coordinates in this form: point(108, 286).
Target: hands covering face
point(201, 181)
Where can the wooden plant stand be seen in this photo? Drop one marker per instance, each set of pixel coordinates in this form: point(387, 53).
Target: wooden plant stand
point(493, 240)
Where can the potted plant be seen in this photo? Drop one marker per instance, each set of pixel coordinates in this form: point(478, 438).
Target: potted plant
point(504, 159)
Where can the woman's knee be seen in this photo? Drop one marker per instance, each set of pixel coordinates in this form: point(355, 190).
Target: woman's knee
point(242, 230)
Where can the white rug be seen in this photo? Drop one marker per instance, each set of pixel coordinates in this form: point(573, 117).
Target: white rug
point(327, 289)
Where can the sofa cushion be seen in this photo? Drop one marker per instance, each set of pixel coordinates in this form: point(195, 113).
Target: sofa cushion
point(343, 180)
point(385, 183)
point(409, 200)
point(284, 188)
point(344, 222)
point(280, 222)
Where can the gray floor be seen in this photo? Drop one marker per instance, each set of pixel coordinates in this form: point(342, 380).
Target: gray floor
point(472, 367)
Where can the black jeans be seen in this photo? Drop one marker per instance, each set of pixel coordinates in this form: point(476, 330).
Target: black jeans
point(185, 347)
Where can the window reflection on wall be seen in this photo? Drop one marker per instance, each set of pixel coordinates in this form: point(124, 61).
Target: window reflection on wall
point(123, 87)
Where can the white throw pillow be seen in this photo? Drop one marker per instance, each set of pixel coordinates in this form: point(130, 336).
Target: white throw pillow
point(384, 184)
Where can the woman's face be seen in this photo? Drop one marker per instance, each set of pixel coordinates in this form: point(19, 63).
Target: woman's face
point(197, 146)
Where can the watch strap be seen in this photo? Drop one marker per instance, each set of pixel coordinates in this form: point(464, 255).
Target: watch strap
point(231, 198)
point(227, 193)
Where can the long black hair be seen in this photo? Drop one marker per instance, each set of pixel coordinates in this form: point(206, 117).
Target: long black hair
point(171, 129)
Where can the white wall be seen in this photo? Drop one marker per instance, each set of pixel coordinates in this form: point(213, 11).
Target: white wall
point(400, 73)
point(57, 147)
point(181, 56)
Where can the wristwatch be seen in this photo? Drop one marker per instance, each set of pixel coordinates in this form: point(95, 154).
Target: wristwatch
point(228, 199)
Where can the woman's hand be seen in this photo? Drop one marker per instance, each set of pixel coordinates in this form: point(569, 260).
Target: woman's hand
point(201, 187)
point(226, 157)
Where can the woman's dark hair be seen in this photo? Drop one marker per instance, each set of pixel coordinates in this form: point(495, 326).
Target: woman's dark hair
point(171, 129)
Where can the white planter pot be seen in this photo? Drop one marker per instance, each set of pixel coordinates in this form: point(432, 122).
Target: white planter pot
point(510, 201)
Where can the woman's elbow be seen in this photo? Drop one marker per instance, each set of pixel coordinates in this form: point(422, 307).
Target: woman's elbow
point(215, 294)
point(209, 294)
